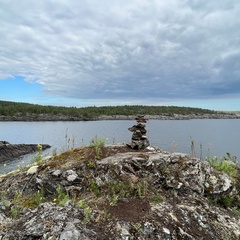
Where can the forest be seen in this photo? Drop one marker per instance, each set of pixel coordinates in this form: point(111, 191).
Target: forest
point(8, 108)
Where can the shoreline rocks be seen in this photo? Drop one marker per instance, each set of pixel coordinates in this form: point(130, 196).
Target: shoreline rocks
point(47, 117)
point(9, 151)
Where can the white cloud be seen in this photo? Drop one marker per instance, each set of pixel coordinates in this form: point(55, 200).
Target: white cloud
point(123, 49)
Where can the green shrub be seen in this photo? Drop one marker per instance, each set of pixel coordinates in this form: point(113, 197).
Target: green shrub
point(17, 204)
point(98, 144)
point(87, 210)
point(62, 197)
point(226, 164)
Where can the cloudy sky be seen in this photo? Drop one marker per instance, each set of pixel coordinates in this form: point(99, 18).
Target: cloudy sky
point(117, 52)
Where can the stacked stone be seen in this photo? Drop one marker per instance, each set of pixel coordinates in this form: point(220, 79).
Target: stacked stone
point(139, 138)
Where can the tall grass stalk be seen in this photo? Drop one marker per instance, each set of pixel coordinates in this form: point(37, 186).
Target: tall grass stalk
point(193, 147)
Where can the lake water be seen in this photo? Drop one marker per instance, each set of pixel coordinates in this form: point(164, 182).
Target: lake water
point(211, 137)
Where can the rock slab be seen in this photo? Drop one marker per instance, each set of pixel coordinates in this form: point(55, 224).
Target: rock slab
point(9, 151)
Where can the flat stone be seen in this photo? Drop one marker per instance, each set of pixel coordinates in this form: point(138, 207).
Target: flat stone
point(32, 170)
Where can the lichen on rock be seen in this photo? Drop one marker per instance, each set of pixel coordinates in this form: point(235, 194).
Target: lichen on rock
point(122, 194)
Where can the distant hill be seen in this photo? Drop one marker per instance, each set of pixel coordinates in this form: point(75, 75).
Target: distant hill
point(21, 111)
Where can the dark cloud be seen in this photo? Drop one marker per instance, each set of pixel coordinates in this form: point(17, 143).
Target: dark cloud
point(123, 49)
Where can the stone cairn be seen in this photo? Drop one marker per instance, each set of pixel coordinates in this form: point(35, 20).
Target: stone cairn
point(139, 138)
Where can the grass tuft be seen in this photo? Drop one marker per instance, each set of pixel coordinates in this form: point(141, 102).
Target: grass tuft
point(226, 164)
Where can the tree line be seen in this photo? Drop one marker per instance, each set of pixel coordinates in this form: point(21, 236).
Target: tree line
point(8, 108)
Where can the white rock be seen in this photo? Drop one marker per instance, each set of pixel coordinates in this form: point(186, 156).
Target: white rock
point(166, 230)
point(72, 175)
point(32, 170)
point(57, 173)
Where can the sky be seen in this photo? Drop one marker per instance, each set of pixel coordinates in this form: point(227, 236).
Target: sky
point(119, 52)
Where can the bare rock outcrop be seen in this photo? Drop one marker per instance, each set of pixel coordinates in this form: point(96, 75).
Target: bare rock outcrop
point(116, 192)
point(9, 151)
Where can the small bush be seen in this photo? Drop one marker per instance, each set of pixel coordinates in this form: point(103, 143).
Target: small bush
point(34, 200)
point(226, 164)
point(87, 210)
point(98, 142)
point(62, 197)
point(17, 204)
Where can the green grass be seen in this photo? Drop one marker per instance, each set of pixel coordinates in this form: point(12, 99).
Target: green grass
point(98, 144)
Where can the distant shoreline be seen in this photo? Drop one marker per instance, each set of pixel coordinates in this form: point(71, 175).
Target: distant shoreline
point(47, 117)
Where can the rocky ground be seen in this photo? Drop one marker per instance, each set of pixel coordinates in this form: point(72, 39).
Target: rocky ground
point(115, 192)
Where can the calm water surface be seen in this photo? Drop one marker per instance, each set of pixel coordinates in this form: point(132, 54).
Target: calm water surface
point(215, 136)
